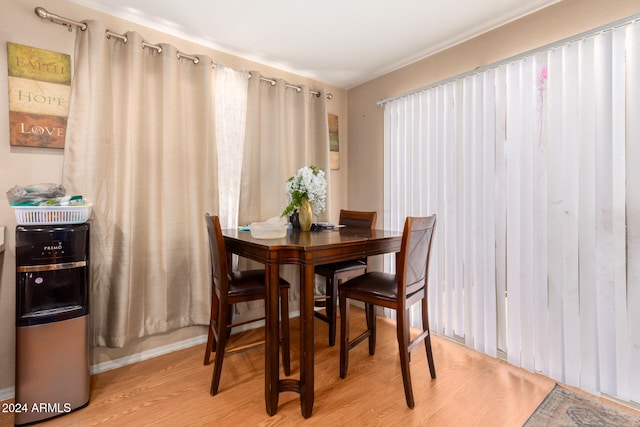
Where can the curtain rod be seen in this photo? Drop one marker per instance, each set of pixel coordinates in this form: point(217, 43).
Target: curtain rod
point(607, 27)
point(44, 14)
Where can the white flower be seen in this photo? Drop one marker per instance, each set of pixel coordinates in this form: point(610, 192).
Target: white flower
point(309, 181)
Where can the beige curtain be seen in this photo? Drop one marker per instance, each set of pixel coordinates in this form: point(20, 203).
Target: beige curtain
point(140, 146)
point(286, 130)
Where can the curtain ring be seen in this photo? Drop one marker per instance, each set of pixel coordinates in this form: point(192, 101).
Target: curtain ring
point(108, 34)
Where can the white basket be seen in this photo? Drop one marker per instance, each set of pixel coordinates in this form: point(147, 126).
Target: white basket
point(50, 215)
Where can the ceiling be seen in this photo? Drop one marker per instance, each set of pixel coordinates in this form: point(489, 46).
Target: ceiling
point(343, 43)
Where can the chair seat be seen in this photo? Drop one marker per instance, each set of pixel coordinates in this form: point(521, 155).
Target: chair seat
point(331, 269)
point(375, 283)
point(249, 282)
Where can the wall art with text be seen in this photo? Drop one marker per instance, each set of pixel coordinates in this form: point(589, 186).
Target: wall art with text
point(39, 91)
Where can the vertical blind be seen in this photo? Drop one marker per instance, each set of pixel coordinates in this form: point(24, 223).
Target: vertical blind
point(532, 169)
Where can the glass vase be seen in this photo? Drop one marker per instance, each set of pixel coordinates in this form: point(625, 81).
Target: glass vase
point(305, 214)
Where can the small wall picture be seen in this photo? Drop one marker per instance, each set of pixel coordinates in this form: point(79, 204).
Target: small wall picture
point(39, 92)
point(334, 142)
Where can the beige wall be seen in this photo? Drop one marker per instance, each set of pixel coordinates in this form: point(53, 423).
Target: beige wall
point(557, 22)
point(23, 166)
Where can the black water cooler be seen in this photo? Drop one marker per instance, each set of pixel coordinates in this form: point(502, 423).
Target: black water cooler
point(52, 321)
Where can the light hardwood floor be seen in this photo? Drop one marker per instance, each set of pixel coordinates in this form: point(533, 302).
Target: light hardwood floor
point(471, 389)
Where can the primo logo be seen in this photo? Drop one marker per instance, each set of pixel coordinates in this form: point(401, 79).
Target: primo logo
point(56, 246)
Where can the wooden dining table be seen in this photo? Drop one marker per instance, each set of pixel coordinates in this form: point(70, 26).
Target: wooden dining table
point(306, 249)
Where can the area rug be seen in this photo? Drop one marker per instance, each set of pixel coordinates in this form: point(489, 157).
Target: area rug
point(565, 408)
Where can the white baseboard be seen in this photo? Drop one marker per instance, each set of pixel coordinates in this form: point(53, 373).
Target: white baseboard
point(7, 393)
point(147, 354)
point(166, 349)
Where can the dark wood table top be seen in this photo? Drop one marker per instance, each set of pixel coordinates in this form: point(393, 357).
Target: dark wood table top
point(316, 247)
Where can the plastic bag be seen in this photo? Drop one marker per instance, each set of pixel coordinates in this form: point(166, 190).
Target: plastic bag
point(36, 195)
point(273, 228)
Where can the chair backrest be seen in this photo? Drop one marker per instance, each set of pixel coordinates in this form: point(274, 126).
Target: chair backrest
point(358, 219)
point(218, 253)
point(412, 266)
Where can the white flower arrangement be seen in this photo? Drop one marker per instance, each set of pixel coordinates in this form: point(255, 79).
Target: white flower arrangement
point(309, 181)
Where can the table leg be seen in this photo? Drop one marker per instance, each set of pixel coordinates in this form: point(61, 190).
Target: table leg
point(306, 340)
point(272, 348)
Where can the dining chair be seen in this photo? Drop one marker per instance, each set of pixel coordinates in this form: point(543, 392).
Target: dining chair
point(398, 291)
point(336, 273)
point(232, 287)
